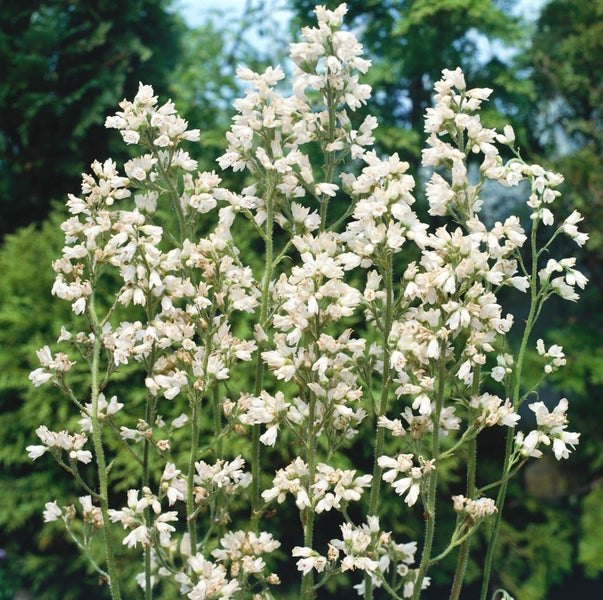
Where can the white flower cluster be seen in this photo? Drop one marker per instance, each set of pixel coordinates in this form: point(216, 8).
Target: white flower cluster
point(104, 410)
point(330, 489)
point(212, 582)
point(314, 293)
point(551, 427)
point(224, 475)
point(267, 409)
point(134, 517)
point(364, 548)
point(494, 411)
point(59, 442)
point(474, 510)
point(564, 285)
point(403, 464)
point(239, 555)
point(142, 117)
point(242, 551)
point(383, 218)
point(554, 356)
point(367, 319)
point(91, 514)
point(52, 367)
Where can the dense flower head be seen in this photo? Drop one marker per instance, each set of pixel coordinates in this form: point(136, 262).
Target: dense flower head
point(60, 364)
point(242, 551)
point(411, 483)
point(328, 58)
point(227, 476)
point(133, 517)
point(551, 429)
point(293, 480)
point(104, 411)
point(494, 411)
point(355, 545)
point(143, 117)
point(474, 510)
point(207, 580)
point(383, 219)
point(59, 442)
point(330, 489)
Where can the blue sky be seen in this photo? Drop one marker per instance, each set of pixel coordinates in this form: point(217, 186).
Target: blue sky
point(194, 11)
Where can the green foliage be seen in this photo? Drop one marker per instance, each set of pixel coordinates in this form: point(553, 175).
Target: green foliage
point(8, 581)
point(590, 547)
point(536, 555)
point(62, 66)
point(203, 88)
point(567, 49)
point(566, 53)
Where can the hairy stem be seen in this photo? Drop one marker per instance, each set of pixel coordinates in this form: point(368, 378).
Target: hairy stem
point(461, 564)
point(307, 591)
point(190, 495)
point(502, 492)
point(99, 451)
point(382, 408)
point(256, 499)
point(430, 505)
point(149, 417)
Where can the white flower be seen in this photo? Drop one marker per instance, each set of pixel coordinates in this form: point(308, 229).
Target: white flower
point(180, 421)
point(36, 451)
point(508, 137)
point(328, 189)
point(551, 427)
point(411, 485)
point(310, 559)
point(52, 512)
point(140, 535)
point(84, 456)
point(570, 229)
point(39, 377)
point(173, 484)
point(440, 195)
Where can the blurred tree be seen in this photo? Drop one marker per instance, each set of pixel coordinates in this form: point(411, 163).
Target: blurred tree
point(565, 61)
point(63, 65)
point(567, 53)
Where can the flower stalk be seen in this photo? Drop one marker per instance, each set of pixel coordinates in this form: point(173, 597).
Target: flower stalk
point(535, 300)
point(429, 505)
point(99, 451)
